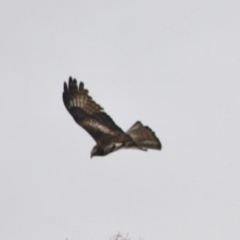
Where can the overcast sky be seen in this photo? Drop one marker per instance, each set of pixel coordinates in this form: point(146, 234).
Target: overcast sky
point(174, 65)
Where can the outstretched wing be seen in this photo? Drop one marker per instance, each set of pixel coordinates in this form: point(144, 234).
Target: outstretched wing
point(87, 113)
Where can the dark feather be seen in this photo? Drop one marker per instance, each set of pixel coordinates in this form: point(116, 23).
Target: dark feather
point(88, 113)
point(109, 137)
point(144, 136)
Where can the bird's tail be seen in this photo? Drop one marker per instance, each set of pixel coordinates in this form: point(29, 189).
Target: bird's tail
point(144, 137)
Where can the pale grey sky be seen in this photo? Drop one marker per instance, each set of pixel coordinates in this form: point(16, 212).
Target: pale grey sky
point(174, 65)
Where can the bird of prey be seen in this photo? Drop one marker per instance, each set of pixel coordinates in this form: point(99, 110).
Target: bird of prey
point(108, 136)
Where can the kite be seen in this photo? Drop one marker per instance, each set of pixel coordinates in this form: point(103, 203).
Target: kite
point(108, 136)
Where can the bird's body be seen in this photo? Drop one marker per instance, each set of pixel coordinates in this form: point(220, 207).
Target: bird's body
point(108, 136)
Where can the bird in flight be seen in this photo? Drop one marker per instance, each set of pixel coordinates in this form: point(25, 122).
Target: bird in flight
point(108, 136)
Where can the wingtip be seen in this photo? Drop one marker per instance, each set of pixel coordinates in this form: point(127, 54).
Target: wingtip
point(65, 87)
point(70, 80)
point(81, 86)
point(75, 81)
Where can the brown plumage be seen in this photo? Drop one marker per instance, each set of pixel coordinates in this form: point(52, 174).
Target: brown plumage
point(108, 136)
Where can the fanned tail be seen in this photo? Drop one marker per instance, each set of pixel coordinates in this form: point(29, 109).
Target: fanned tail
point(144, 137)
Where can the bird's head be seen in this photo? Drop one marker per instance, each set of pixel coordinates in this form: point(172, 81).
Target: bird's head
point(100, 151)
point(97, 151)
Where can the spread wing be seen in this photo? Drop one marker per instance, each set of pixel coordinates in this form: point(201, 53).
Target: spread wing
point(87, 113)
